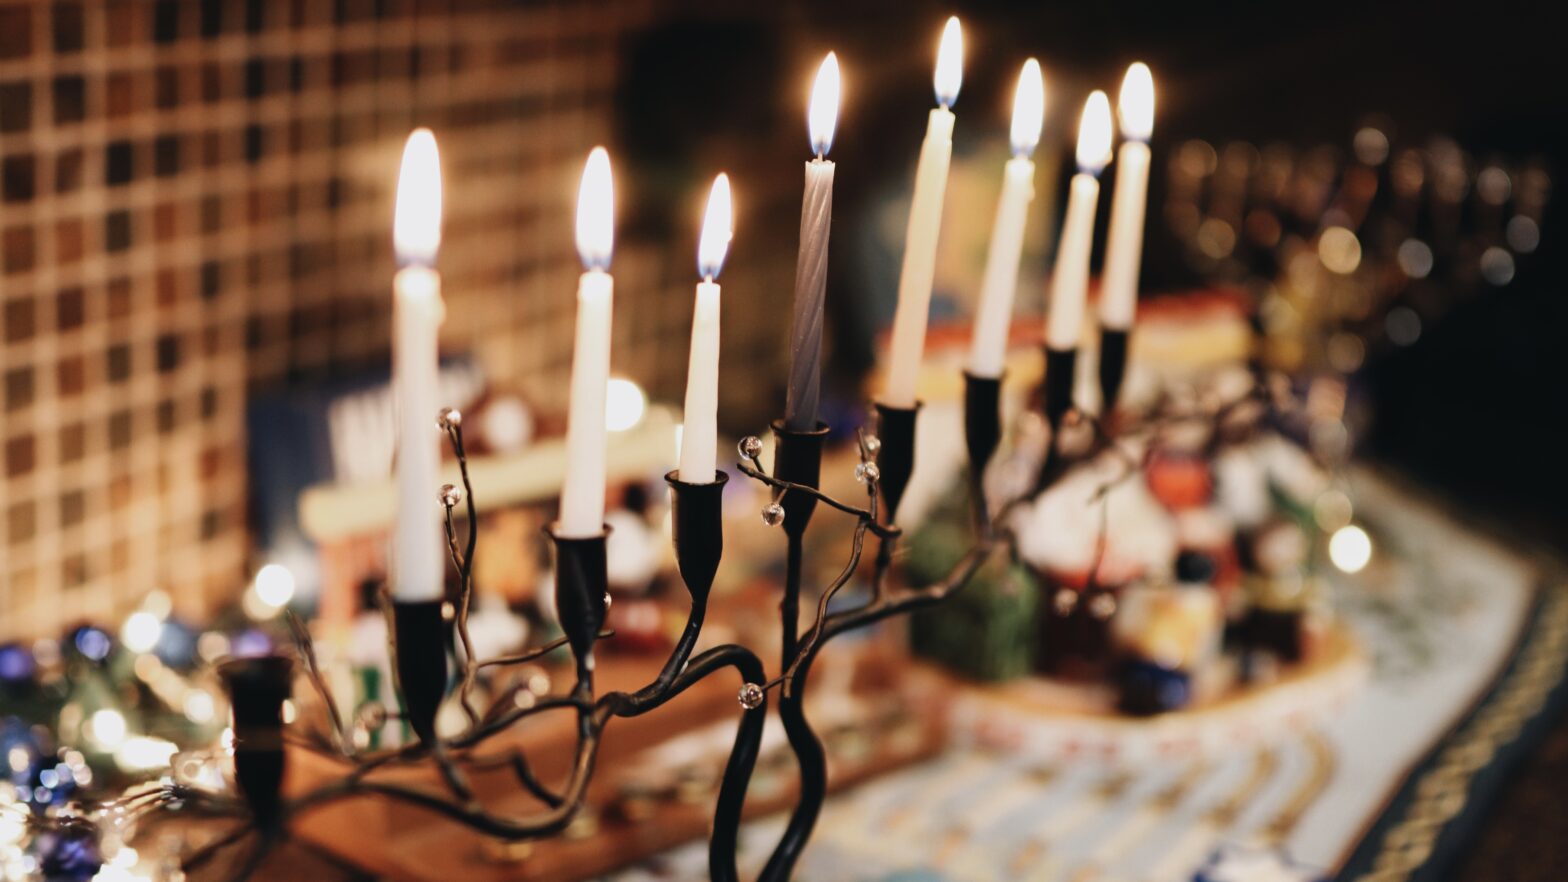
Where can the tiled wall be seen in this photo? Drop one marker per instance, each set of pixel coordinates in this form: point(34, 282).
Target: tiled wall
point(196, 204)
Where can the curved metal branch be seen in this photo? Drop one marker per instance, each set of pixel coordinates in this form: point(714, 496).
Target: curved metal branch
point(464, 562)
point(307, 651)
point(196, 859)
point(823, 498)
point(539, 651)
point(517, 761)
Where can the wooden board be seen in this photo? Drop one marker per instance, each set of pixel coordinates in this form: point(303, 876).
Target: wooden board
point(885, 715)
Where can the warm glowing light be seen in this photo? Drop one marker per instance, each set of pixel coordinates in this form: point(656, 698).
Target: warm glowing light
point(117, 873)
point(144, 753)
point(1415, 258)
point(1350, 548)
point(718, 225)
point(624, 404)
point(1135, 106)
point(13, 825)
point(1340, 250)
point(1028, 109)
point(950, 63)
point(1094, 133)
point(596, 212)
point(416, 221)
point(141, 631)
point(199, 707)
point(1497, 266)
point(106, 728)
point(822, 114)
point(1524, 234)
point(274, 585)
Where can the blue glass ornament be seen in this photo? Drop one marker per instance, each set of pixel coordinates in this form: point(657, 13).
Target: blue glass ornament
point(93, 643)
point(69, 854)
point(17, 665)
point(252, 642)
point(16, 735)
point(1149, 688)
point(177, 644)
point(52, 783)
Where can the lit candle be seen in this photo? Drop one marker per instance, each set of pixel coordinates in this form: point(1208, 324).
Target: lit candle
point(1070, 275)
point(811, 266)
point(988, 347)
point(1124, 245)
point(418, 567)
point(699, 437)
point(925, 220)
point(582, 491)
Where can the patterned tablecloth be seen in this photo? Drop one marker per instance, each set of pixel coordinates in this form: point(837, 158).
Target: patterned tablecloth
point(1468, 643)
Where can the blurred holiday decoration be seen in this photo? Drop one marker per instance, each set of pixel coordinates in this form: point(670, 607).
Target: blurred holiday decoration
point(129, 702)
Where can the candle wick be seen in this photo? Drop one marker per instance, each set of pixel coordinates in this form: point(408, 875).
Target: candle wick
point(707, 278)
point(819, 155)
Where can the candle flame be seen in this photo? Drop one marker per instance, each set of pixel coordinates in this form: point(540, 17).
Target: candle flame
point(1135, 106)
point(416, 218)
point(718, 225)
point(950, 63)
point(822, 116)
point(1094, 134)
point(596, 212)
point(1028, 109)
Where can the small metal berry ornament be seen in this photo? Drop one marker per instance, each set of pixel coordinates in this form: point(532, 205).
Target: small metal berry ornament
point(750, 447)
point(751, 696)
point(773, 514)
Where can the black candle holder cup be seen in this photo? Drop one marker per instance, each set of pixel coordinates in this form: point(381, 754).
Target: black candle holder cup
point(982, 427)
point(420, 645)
point(1061, 374)
point(257, 688)
point(1113, 368)
point(797, 458)
point(581, 592)
point(896, 456)
point(697, 527)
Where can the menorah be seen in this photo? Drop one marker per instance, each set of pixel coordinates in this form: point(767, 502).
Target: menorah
point(258, 687)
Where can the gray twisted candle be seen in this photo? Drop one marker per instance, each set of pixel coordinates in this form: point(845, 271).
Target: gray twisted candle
point(803, 395)
point(811, 281)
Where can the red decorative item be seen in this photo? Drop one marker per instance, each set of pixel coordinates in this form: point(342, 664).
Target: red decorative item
point(1179, 480)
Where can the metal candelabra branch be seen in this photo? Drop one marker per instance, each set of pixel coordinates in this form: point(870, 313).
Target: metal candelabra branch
point(420, 637)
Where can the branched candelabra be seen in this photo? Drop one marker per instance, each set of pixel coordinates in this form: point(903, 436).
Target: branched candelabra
point(259, 686)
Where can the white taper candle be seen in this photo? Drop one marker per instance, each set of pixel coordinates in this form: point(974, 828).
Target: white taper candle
point(1070, 275)
point(699, 437)
point(925, 222)
point(582, 490)
point(418, 569)
point(988, 346)
point(1124, 242)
